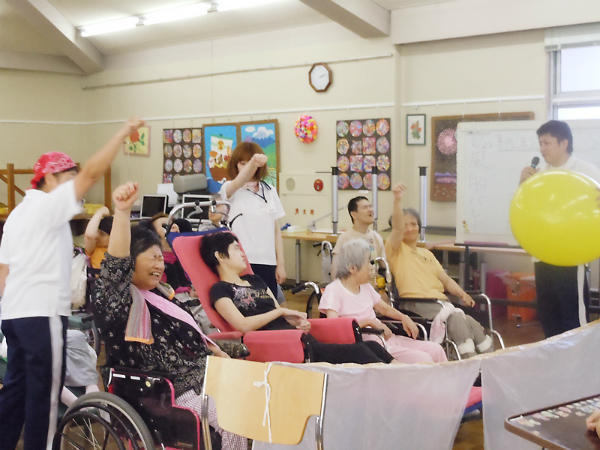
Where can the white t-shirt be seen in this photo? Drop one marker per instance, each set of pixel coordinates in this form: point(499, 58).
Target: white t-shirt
point(253, 217)
point(576, 165)
point(37, 245)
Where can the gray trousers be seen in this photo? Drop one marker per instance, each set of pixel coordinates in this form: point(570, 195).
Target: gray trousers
point(460, 327)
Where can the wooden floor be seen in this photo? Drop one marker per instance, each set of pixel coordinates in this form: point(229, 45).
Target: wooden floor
point(470, 434)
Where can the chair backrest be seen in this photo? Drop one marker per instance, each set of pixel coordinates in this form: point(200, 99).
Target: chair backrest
point(238, 390)
point(187, 249)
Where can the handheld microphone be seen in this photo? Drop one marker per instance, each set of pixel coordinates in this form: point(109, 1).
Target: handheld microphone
point(534, 162)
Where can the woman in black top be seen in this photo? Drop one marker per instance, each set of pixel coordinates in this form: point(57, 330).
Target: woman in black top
point(247, 304)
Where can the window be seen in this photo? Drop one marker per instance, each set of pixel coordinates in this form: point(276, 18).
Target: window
point(575, 82)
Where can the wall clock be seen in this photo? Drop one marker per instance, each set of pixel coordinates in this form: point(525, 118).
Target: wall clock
point(320, 77)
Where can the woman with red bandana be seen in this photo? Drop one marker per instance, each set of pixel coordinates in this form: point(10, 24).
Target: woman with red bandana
point(35, 270)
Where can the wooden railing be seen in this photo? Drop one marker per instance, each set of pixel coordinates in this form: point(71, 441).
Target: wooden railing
point(8, 176)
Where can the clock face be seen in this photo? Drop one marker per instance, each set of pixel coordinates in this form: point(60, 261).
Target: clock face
point(320, 77)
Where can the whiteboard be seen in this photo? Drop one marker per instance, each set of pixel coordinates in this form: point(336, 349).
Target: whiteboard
point(489, 161)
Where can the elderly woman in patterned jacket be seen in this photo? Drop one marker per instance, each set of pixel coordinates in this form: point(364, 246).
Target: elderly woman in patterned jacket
point(141, 326)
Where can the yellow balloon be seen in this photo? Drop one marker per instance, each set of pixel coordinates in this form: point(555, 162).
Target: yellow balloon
point(555, 217)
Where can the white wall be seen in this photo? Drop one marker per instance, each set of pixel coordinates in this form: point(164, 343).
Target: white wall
point(255, 74)
point(35, 96)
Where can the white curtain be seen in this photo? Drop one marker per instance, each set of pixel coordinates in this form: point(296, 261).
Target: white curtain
point(391, 407)
point(535, 376)
point(420, 406)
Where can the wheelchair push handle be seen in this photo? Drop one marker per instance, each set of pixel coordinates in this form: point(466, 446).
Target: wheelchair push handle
point(197, 205)
point(308, 284)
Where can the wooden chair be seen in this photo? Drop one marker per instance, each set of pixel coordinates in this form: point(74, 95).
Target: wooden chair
point(263, 401)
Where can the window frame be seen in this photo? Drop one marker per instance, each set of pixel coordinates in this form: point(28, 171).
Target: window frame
point(569, 99)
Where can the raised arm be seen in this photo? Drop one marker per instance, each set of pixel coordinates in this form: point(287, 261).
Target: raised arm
point(246, 174)
point(91, 231)
point(94, 168)
point(120, 235)
point(395, 237)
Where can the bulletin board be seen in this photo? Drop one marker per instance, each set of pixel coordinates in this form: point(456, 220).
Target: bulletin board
point(182, 152)
point(444, 147)
point(362, 145)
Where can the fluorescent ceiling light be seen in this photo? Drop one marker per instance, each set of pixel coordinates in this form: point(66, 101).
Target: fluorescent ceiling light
point(110, 26)
point(173, 14)
point(228, 5)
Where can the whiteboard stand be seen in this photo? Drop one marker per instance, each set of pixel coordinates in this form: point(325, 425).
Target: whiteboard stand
point(374, 196)
point(334, 199)
point(423, 192)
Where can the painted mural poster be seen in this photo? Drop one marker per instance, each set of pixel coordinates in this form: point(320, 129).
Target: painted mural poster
point(266, 135)
point(219, 142)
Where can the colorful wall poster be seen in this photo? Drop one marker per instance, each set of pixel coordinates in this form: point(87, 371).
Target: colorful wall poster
point(266, 134)
point(219, 142)
point(182, 152)
point(138, 142)
point(362, 145)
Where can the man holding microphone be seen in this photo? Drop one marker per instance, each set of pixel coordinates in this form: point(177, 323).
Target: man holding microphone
point(562, 292)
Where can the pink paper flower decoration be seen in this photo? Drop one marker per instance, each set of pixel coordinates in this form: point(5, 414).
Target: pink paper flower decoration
point(306, 129)
point(446, 142)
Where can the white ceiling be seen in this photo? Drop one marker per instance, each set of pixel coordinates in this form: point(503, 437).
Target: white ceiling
point(19, 37)
point(398, 4)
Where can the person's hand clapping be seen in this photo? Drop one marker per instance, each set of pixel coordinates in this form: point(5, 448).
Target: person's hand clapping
point(125, 195)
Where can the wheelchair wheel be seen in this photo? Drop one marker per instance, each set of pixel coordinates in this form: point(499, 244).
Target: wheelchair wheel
point(101, 421)
point(93, 337)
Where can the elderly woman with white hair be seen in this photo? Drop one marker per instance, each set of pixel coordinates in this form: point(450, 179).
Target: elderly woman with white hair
point(351, 295)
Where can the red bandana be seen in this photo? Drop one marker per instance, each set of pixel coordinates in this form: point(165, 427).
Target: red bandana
point(51, 162)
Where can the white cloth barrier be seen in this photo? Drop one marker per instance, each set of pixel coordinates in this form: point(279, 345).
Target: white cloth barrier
point(391, 407)
point(420, 406)
point(534, 376)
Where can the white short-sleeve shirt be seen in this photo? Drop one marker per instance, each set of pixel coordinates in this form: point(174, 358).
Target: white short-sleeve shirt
point(37, 246)
point(575, 164)
point(253, 217)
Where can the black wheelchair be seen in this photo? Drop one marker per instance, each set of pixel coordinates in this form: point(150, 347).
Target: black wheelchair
point(138, 411)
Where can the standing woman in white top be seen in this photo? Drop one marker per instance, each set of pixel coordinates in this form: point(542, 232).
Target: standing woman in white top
point(255, 211)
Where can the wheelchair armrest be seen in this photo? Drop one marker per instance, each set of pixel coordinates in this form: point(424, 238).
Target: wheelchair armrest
point(226, 336)
point(132, 372)
point(338, 330)
point(370, 330)
point(397, 328)
point(275, 345)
